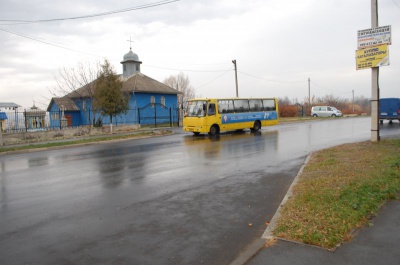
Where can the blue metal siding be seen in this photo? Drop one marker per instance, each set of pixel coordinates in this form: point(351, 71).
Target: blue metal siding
point(86, 116)
point(143, 99)
point(54, 115)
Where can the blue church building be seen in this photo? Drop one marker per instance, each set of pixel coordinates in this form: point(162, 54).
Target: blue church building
point(149, 99)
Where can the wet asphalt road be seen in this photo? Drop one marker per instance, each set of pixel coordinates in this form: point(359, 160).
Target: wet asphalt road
point(177, 199)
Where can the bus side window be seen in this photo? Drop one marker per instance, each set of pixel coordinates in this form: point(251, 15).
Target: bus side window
point(211, 109)
point(225, 106)
point(241, 105)
point(269, 104)
point(255, 104)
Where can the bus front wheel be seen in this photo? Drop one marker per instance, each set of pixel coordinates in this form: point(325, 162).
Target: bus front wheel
point(214, 130)
point(257, 126)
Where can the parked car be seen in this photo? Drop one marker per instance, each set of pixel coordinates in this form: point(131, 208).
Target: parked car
point(325, 111)
point(389, 109)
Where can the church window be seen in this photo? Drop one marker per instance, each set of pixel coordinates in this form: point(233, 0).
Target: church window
point(55, 116)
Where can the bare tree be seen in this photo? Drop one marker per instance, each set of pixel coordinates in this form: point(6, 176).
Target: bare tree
point(284, 101)
point(181, 82)
point(77, 82)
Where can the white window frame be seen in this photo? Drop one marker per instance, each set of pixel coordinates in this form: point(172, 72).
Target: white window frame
point(163, 101)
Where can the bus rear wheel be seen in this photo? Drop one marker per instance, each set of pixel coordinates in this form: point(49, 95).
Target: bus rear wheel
point(214, 130)
point(256, 126)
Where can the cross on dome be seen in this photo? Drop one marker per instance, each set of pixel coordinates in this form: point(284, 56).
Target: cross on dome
point(130, 43)
point(130, 62)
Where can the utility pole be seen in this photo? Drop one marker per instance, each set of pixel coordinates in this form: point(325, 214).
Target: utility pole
point(1, 134)
point(375, 86)
point(309, 96)
point(237, 90)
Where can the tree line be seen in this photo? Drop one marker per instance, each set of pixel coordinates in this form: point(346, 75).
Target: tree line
point(291, 107)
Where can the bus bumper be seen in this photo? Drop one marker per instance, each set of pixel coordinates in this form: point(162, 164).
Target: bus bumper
point(194, 129)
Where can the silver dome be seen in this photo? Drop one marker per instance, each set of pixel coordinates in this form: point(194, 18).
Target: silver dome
point(131, 56)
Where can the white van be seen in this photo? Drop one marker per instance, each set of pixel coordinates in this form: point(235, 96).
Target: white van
point(325, 111)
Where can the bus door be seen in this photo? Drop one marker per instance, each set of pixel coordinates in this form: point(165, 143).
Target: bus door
point(211, 114)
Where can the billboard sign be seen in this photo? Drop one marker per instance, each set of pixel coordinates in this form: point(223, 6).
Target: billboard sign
point(373, 37)
point(372, 57)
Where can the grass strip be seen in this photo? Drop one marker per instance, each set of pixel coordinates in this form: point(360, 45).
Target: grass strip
point(340, 190)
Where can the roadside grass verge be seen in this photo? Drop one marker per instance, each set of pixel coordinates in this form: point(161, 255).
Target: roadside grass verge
point(339, 191)
point(67, 142)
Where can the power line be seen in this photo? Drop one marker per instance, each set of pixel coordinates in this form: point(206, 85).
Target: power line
point(330, 89)
point(47, 42)
point(206, 84)
point(18, 21)
point(270, 80)
point(185, 70)
point(396, 4)
point(95, 55)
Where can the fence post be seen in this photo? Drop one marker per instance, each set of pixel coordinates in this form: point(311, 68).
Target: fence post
point(1, 134)
point(138, 111)
point(16, 120)
point(179, 115)
point(155, 115)
point(59, 117)
point(170, 117)
point(26, 124)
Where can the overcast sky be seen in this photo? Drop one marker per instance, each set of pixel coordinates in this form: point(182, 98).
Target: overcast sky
point(278, 45)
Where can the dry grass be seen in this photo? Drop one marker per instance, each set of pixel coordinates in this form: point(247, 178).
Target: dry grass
point(339, 190)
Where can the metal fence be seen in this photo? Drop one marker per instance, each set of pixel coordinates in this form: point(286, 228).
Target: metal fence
point(40, 120)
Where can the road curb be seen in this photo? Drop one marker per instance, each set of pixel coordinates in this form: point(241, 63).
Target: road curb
point(267, 236)
point(268, 233)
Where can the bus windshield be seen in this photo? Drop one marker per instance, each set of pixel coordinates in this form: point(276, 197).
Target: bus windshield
point(196, 108)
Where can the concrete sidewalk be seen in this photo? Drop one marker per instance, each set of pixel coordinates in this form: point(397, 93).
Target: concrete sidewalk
point(377, 244)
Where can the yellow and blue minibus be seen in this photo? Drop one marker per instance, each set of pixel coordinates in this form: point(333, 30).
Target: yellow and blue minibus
point(212, 115)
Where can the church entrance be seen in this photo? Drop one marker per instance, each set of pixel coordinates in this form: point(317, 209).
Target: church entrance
point(69, 119)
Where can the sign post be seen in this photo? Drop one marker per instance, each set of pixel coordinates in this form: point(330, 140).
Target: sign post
point(372, 45)
point(375, 86)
